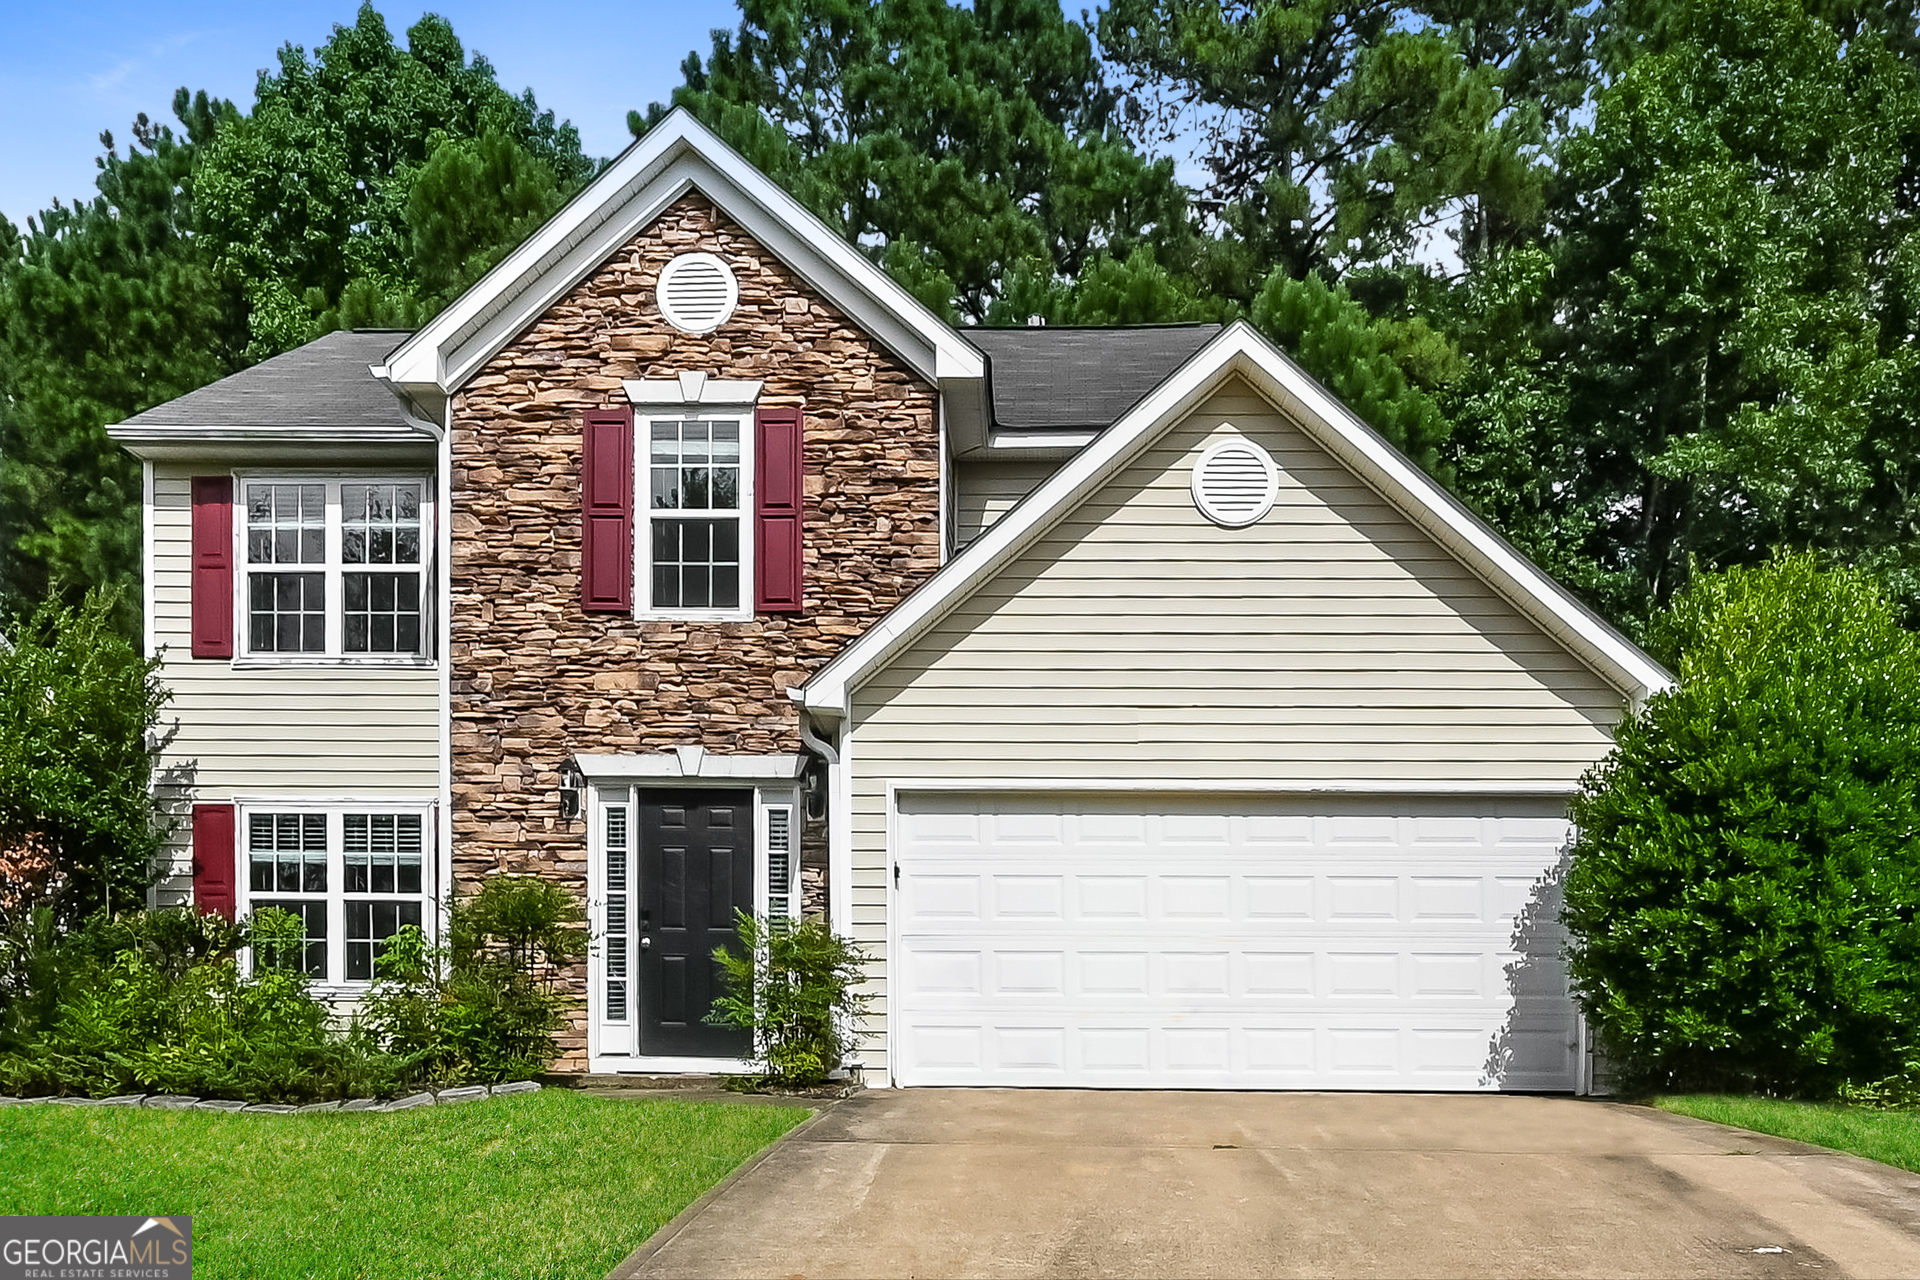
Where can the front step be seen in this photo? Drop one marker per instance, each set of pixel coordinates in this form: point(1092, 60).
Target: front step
point(626, 1080)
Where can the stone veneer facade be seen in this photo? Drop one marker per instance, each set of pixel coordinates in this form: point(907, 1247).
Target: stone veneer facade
point(535, 678)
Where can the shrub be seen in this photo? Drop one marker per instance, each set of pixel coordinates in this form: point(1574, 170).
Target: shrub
point(791, 985)
point(1746, 875)
point(155, 1001)
point(78, 710)
point(482, 1009)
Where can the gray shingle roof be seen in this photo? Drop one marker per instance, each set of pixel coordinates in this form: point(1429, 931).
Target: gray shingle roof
point(1057, 379)
point(323, 384)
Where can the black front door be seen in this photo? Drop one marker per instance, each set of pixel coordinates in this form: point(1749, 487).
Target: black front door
point(696, 867)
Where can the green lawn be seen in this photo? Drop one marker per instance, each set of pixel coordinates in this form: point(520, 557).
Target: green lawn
point(549, 1184)
point(1891, 1137)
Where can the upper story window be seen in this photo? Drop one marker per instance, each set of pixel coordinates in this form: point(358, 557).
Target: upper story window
point(692, 503)
point(695, 502)
point(334, 568)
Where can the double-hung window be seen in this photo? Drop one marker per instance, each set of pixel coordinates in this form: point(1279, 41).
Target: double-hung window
point(695, 505)
point(354, 877)
point(335, 568)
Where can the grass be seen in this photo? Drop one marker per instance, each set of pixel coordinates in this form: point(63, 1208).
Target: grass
point(1891, 1137)
point(550, 1184)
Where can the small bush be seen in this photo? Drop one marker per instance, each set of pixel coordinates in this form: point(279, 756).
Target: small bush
point(482, 1009)
point(1742, 897)
point(791, 985)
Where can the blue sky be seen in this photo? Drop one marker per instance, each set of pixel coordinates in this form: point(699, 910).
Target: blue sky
point(76, 67)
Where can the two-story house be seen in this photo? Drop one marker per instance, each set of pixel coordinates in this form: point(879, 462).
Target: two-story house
point(1146, 717)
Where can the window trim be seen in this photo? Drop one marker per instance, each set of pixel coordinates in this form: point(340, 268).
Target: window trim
point(644, 416)
point(334, 570)
point(335, 982)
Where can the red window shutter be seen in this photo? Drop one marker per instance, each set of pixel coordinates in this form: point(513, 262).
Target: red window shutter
point(606, 511)
point(213, 566)
point(779, 510)
point(214, 859)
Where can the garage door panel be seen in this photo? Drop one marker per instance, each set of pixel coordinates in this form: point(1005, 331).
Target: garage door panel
point(1201, 945)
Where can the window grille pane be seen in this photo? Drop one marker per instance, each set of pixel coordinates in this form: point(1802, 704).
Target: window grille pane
point(695, 466)
point(286, 524)
point(381, 852)
point(696, 564)
point(380, 523)
point(287, 852)
point(369, 925)
point(312, 959)
point(287, 612)
point(381, 612)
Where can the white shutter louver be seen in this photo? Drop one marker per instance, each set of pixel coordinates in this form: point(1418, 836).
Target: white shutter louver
point(1235, 483)
point(697, 292)
point(780, 895)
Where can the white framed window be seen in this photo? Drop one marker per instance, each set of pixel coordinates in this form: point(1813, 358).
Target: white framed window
point(695, 532)
point(334, 569)
point(354, 875)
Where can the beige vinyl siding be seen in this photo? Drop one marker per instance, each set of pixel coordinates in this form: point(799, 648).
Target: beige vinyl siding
point(985, 491)
point(297, 732)
point(1331, 644)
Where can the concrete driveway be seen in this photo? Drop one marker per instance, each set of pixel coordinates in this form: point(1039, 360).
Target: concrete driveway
point(930, 1182)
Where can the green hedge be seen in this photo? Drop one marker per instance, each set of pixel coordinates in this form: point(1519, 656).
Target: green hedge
point(162, 1002)
point(1743, 889)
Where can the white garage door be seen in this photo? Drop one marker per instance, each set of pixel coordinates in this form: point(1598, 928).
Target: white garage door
point(1221, 943)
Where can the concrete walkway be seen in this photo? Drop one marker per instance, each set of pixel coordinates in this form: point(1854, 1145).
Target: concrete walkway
point(1042, 1183)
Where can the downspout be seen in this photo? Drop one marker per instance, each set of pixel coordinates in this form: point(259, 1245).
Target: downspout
point(815, 744)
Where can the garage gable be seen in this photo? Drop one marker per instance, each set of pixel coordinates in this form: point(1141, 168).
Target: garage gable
point(1330, 641)
point(1338, 464)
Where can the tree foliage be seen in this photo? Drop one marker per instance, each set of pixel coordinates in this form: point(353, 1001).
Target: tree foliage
point(1744, 884)
point(107, 307)
point(309, 201)
point(367, 186)
point(1335, 132)
point(1737, 281)
point(79, 711)
point(953, 142)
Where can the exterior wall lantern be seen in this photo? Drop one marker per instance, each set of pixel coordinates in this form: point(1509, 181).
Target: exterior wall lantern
point(572, 787)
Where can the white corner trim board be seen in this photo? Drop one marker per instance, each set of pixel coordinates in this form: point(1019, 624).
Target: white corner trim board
point(1239, 349)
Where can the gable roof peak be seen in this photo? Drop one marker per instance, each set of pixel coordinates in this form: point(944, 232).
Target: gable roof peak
point(677, 155)
point(1241, 350)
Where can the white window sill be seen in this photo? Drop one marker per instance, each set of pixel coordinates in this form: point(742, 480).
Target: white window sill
point(696, 615)
point(321, 661)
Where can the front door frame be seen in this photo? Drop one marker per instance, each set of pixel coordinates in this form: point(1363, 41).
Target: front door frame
point(613, 1047)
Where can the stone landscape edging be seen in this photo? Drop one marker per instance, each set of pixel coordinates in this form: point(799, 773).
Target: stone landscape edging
point(182, 1102)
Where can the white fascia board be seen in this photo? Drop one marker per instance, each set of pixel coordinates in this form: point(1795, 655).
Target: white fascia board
point(269, 444)
point(677, 155)
point(1240, 349)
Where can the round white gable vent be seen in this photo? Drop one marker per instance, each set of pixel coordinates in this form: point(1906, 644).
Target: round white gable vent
point(697, 292)
point(1235, 482)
